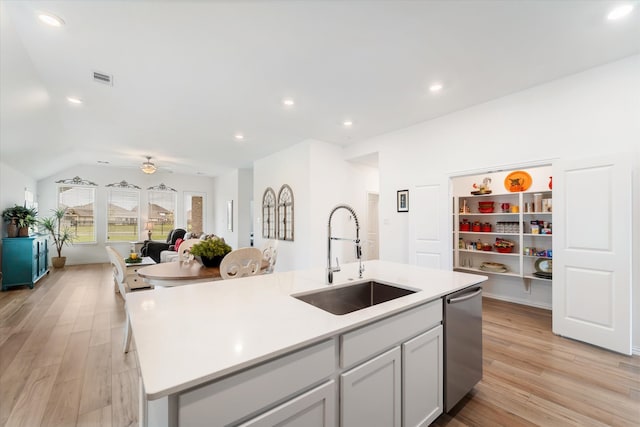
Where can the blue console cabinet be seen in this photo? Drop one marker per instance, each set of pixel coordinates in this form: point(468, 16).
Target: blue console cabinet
point(24, 260)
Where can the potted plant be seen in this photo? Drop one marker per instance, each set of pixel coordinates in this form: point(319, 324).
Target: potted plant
point(19, 219)
point(61, 236)
point(211, 251)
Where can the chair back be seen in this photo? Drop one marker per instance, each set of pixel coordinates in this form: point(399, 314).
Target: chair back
point(120, 277)
point(119, 270)
point(185, 248)
point(241, 263)
point(270, 254)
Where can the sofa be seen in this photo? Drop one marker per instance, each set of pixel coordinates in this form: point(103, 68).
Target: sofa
point(171, 254)
point(153, 249)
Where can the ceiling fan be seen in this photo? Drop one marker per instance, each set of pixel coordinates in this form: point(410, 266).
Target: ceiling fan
point(148, 167)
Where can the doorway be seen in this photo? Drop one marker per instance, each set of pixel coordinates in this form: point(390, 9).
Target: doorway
point(372, 233)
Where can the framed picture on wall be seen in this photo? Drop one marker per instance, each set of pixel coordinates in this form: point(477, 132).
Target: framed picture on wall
point(403, 201)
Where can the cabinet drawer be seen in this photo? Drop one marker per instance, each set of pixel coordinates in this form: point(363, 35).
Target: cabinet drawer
point(370, 340)
point(315, 408)
point(136, 282)
point(240, 395)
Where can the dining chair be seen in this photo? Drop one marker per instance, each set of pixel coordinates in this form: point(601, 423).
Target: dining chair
point(242, 262)
point(120, 277)
point(270, 254)
point(185, 248)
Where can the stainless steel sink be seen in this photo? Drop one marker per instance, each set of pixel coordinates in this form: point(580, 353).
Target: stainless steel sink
point(347, 299)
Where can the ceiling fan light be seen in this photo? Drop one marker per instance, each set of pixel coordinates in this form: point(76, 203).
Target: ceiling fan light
point(148, 167)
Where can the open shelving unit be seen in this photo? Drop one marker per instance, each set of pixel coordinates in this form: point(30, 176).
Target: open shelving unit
point(519, 262)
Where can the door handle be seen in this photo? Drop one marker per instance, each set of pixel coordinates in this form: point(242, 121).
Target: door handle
point(464, 297)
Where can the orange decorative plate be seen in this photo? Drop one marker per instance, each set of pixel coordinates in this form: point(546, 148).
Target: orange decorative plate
point(518, 181)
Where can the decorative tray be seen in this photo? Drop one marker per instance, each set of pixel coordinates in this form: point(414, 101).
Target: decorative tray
point(544, 265)
point(518, 181)
point(133, 260)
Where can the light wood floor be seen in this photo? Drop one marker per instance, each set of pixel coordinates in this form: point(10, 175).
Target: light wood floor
point(61, 364)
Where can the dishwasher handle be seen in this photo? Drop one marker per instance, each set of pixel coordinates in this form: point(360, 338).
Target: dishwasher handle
point(464, 297)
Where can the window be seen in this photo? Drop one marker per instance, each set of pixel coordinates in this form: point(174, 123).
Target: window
point(162, 210)
point(80, 217)
point(194, 211)
point(123, 215)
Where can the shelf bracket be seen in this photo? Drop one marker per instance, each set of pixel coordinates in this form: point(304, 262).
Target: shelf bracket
point(527, 285)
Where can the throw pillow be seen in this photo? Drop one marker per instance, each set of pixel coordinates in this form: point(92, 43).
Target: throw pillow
point(178, 243)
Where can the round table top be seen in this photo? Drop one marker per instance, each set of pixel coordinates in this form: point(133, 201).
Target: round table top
point(179, 271)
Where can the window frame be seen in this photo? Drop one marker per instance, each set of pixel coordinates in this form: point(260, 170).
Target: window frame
point(70, 210)
point(115, 190)
point(159, 231)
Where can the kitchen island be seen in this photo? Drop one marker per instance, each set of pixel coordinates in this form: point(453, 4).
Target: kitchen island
point(246, 351)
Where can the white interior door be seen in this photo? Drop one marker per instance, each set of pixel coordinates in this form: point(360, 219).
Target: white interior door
point(592, 251)
point(372, 239)
point(425, 227)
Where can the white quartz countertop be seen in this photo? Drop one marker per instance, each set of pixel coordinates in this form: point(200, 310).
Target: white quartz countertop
point(191, 334)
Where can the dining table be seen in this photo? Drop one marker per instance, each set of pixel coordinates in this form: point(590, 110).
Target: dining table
point(178, 273)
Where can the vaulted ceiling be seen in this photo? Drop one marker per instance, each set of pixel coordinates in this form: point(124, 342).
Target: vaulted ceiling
point(188, 76)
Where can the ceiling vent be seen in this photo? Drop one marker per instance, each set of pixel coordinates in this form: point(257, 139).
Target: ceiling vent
point(103, 78)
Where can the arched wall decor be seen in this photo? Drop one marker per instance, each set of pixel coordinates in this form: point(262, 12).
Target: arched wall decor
point(77, 181)
point(123, 184)
point(269, 214)
point(285, 213)
point(162, 187)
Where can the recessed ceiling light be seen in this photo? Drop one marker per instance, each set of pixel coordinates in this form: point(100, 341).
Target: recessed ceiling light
point(51, 19)
point(288, 102)
point(239, 136)
point(347, 123)
point(435, 87)
point(620, 12)
point(74, 100)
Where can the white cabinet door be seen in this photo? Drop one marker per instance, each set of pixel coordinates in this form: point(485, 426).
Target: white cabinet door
point(592, 251)
point(370, 393)
point(316, 408)
point(422, 378)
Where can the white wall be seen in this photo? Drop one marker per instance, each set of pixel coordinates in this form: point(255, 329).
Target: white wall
point(290, 166)
point(245, 197)
point(14, 184)
point(225, 190)
point(320, 179)
point(583, 115)
point(94, 253)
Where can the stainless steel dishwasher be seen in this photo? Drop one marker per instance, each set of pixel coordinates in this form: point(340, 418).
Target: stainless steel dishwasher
point(462, 344)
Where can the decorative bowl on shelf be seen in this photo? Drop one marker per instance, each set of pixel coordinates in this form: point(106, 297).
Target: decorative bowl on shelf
point(485, 206)
point(504, 246)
